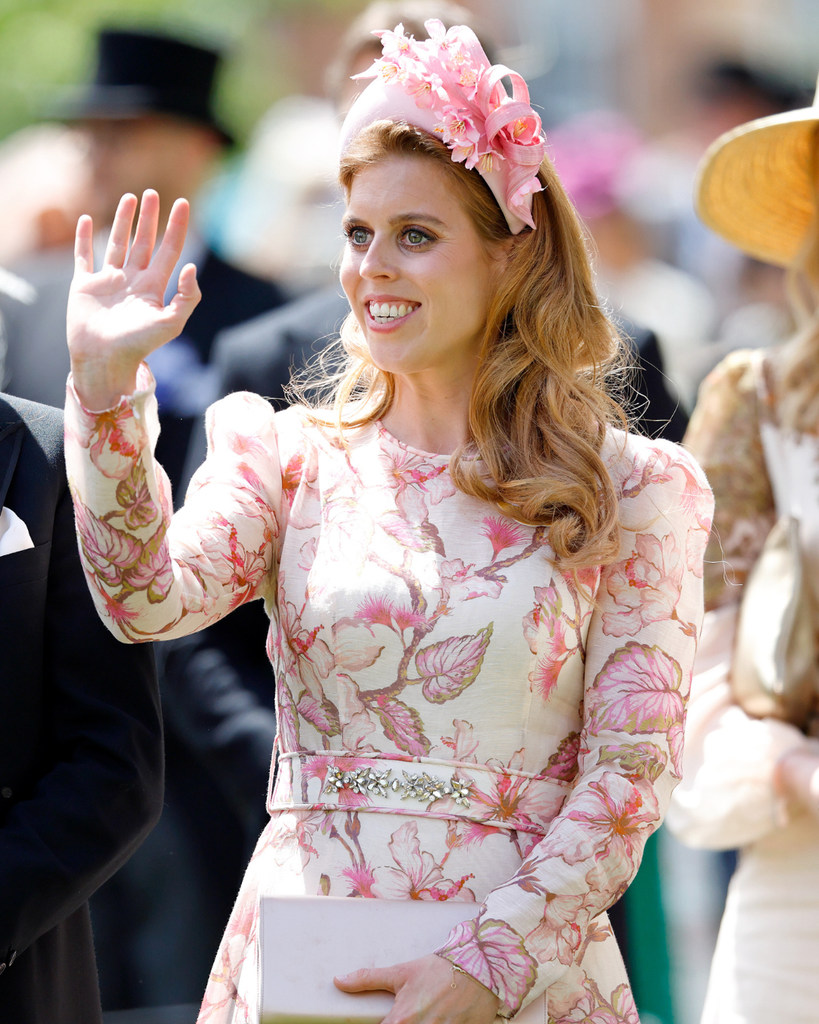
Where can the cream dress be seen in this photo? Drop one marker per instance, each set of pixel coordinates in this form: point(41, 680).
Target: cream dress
point(457, 719)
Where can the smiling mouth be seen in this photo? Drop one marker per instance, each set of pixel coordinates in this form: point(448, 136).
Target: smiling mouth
point(386, 312)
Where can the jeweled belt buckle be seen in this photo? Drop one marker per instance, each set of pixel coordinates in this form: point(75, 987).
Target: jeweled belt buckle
point(371, 782)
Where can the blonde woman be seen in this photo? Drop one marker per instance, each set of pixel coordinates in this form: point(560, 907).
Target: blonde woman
point(753, 783)
point(474, 575)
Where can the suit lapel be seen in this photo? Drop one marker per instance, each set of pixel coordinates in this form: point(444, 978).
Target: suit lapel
point(11, 441)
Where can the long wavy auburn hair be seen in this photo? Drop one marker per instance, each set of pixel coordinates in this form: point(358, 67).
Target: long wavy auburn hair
point(540, 407)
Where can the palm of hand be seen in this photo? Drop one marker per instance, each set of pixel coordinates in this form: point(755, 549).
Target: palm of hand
point(117, 316)
point(118, 307)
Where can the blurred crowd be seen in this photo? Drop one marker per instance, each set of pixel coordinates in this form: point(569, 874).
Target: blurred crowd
point(266, 243)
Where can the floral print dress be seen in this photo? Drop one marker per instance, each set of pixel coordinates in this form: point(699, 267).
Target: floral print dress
point(458, 719)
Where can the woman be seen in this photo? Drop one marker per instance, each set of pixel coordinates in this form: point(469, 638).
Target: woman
point(752, 783)
point(470, 572)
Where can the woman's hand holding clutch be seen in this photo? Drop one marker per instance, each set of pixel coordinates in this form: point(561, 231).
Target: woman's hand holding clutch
point(427, 991)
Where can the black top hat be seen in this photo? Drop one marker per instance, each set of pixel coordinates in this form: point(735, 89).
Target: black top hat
point(141, 72)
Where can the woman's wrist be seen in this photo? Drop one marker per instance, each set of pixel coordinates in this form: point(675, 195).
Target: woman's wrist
point(460, 974)
point(102, 387)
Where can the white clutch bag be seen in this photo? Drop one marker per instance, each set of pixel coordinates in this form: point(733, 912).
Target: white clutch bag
point(305, 941)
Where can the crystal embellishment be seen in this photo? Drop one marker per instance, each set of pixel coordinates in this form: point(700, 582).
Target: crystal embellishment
point(424, 787)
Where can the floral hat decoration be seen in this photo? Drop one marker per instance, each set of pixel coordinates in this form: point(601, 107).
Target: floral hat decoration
point(446, 86)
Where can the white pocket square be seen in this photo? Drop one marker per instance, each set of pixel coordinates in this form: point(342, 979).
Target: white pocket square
point(14, 535)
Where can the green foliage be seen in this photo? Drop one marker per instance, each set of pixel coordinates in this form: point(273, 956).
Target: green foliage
point(46, 45)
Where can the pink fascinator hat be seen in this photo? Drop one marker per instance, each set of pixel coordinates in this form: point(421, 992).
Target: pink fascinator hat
point(446, 86)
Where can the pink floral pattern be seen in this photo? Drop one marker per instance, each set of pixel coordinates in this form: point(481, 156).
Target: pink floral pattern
point(412, 625)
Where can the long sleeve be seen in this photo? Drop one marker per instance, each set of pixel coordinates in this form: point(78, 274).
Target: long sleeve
point(158, 575)
point(638, 661)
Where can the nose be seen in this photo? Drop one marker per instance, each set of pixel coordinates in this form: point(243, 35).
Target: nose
point(378, 261)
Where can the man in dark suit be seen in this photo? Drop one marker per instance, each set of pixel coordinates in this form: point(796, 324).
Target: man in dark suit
point(80, 736)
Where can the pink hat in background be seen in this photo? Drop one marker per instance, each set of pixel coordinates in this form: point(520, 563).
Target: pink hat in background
point(592, 154)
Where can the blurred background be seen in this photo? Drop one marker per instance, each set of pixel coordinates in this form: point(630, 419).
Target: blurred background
point(631, 93)
point(646, 59)
point(636, 53)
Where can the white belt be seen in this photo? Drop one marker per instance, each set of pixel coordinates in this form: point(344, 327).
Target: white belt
point(337, 780)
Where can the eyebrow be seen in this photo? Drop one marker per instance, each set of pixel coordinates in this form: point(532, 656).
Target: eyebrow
point(401, 218)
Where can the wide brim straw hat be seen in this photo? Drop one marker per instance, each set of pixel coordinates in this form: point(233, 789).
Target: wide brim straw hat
point(756, 184)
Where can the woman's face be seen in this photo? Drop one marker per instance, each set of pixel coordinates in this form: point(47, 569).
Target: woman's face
point(418, 277)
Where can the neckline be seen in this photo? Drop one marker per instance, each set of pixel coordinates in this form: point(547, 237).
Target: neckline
point(392, 441)
point(395, 442)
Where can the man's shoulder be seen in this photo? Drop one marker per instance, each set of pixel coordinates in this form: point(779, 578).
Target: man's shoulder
point(311, 316)
point(42, 426)
point(259, 353)
point(35, 415)
point(216, 272)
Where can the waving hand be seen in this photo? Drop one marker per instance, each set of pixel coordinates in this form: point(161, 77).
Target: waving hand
point(117, 315)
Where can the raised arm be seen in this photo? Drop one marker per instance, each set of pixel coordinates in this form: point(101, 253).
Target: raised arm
point(117, 315)
point(153, 574)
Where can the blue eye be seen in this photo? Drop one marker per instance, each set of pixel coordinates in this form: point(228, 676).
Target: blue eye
point(358, 236)
point(415, 236)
